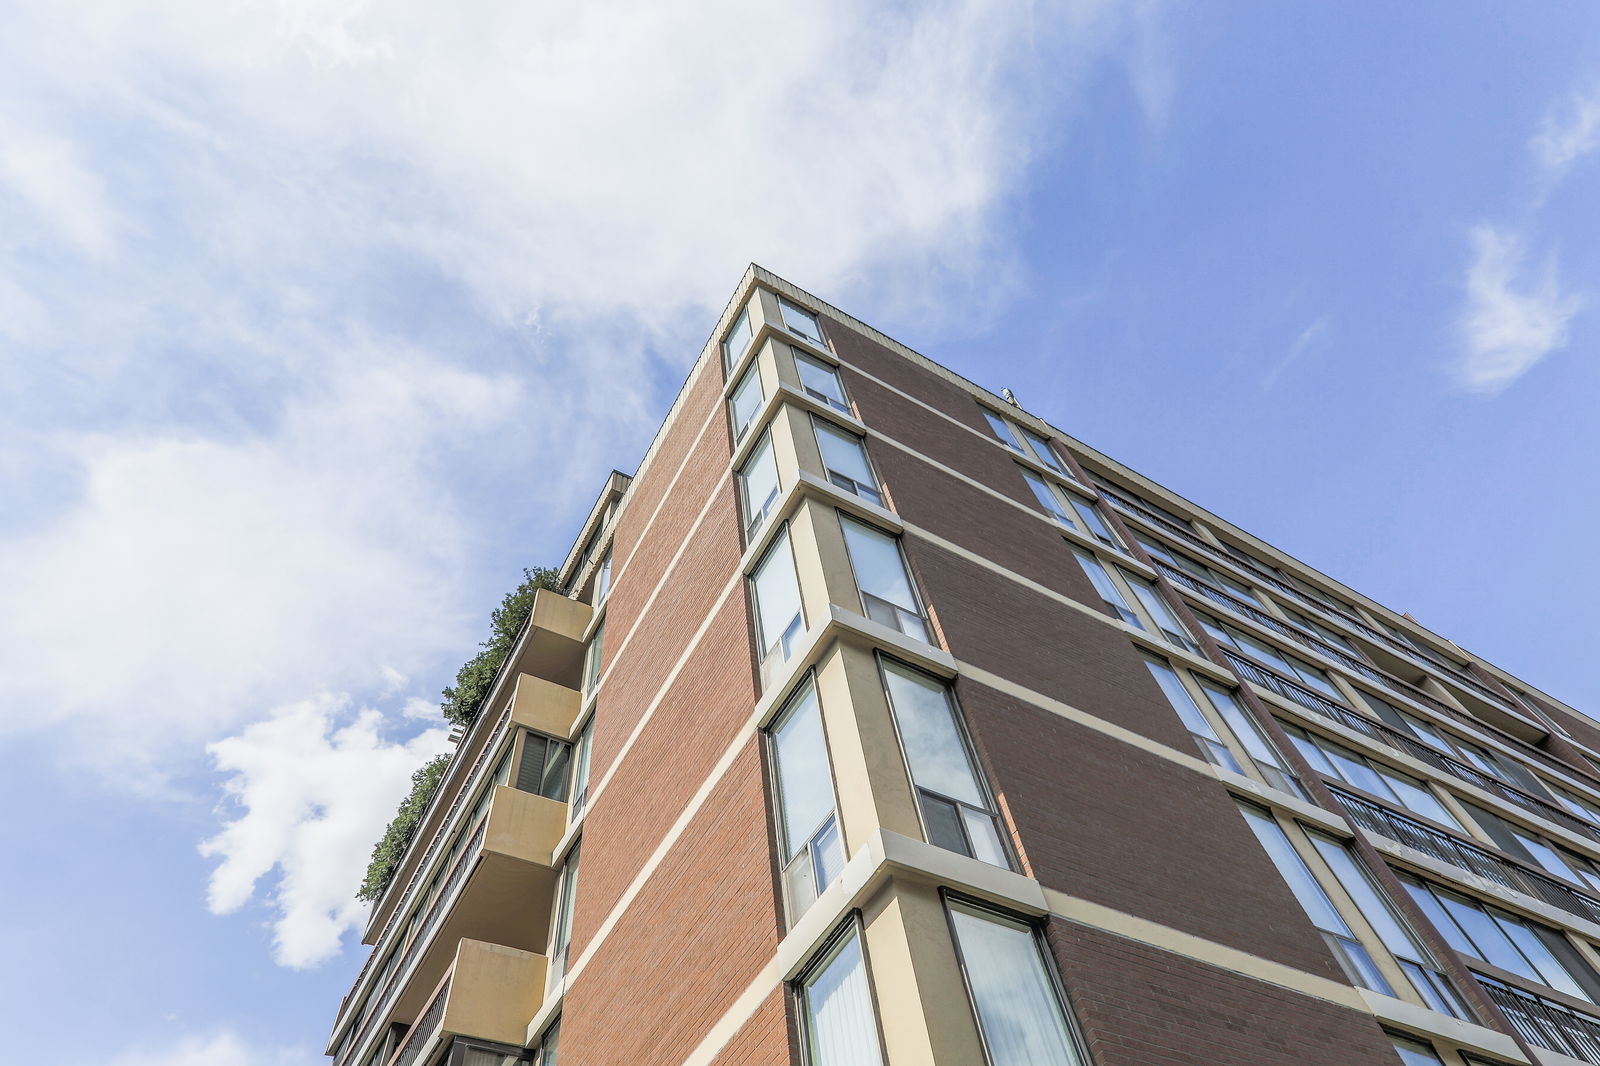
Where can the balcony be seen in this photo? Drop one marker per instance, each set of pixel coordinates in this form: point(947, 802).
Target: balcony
point(500, 891)
point(1518, 877)
point(490, 993)
point(1546, 1023)
point(1394, 738)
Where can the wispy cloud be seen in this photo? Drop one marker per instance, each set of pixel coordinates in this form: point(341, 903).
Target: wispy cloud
point(309, 791)
point(1310, 338)
point(1514, 315)
point(209, 1049)
point(1570, 131)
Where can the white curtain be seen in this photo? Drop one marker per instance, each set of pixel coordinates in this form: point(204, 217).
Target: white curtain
point(1023, 1021)
point(843, 1031)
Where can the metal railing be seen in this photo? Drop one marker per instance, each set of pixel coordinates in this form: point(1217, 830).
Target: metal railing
point(440, 835)
point(1394, 738)
point(1545, 1022)
point(1406, 649)
point(1351, 662)
point(1516, 876)
point(422, 1030)
point(397, 979)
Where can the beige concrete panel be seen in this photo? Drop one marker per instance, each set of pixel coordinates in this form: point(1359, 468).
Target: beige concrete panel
point(803, 453)
point(832, 556)
point(493, 991)
point(545, 706)
point(524, 826)
point(868, 770)
point(923, 1009)
point(560, 615)
point(813, 579)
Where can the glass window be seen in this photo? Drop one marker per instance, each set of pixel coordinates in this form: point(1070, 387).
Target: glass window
point(844, 456)
point(1493, 935)
point(803, 778)
point(1002, 429)
point(1045, 493)
point(1583, 808)
point(1268, 761)
point(1194, 720)
point(746, 402)
point(955, 804)
point(800, 322)
point(882, 579)
point(1110, 595)
point(758, 485)
point(580, 768)
point(1341, 763)
point(545, 765)
point(821, 381)
point(561, 940)
point(602, 581)
point(1431, 984)
point(549, 1049)
point(1166, 620)
point(841, 1028)
point(1021, 1017)
point(1353, 957)
point(594, 659)
point(1414, 1052)
point(737, 340)
point(1092, 521)
point(1041, 450)
point(779, 618)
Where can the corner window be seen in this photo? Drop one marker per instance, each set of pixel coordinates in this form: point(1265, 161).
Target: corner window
point(746, 402)
point(1040, 449)
point(737, 339)
point(841, 1027)
point(1110, 595)
point(800, 322)
point(882, 578)
point(779, 619)
point(758, 486)
point(1045, 493)
point(1093, 524)
point(808, 824)
point(1020, 1010)
point(844, 457)
point(561, 938)
point(1002, 430)
point(955, 803)
point(594, 659)
point(821, 381)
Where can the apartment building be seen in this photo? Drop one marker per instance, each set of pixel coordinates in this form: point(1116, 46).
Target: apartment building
point(883, 723)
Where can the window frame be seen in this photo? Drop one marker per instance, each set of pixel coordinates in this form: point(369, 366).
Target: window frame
point(751, 376)
point(842, 403)
point(780, 538)
point(950, 900)
point(874, 494)
point(741, 321)
point(850, 927)
point(753, 519)
point(980, 776)
point(785, 305)
point(808, 847)
point(920, 606)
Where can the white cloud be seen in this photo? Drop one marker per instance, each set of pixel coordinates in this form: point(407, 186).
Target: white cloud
point(1311, 337)
point(214, 1049)
point(50, 175)
point(1570, 130)
point(1513, 316)
point(312, 787)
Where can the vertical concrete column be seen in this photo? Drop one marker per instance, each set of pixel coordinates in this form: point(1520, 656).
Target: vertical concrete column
point(923, 1009)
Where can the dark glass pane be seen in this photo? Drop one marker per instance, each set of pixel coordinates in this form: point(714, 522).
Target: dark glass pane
point(944, 824)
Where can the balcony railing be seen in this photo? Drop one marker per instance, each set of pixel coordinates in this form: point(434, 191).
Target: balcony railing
point(1394, 738)
point(1545, 1022)
point(1407, 650)
point(420, 1033)
point(1351, 662)
point(1516, 876)
point(385, 996)
point(441, 835)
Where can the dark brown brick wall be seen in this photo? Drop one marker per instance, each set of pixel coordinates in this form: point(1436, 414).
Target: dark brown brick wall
point(1140, 1006)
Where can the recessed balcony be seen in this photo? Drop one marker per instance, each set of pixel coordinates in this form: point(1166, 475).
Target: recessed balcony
point(499, 890)
point(489, 993)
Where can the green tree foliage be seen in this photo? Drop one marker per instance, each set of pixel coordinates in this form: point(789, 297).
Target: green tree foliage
point(464, 699)
point(462, 702)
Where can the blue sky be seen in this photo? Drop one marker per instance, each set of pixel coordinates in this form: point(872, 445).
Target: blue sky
point(319, 321)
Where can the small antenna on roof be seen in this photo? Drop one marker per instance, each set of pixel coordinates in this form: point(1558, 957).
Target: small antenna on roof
point(1010, 398)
